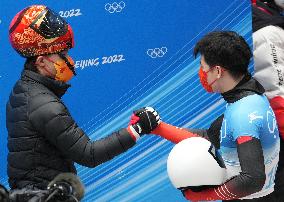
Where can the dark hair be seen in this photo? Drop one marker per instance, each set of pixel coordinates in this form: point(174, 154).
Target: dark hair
point(227, 49)
point(30, 64)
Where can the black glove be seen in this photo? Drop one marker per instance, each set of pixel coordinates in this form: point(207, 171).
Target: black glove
point(144, 121)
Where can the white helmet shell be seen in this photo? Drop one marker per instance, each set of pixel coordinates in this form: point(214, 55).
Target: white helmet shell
point(195, 162)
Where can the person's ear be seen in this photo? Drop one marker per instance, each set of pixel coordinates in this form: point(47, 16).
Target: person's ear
point(41, 65)
point(219, 71)
point(40, 61)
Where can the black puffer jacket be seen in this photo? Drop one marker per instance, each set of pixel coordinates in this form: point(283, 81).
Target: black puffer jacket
point(44, 140)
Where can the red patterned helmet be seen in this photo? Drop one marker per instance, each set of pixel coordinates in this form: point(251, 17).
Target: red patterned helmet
point(37, 30)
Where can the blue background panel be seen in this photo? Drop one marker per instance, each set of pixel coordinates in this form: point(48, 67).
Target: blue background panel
point(131, 54)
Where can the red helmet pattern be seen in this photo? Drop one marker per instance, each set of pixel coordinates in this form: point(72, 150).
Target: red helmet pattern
point(37, 30)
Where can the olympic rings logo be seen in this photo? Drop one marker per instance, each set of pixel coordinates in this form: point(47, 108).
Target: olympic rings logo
point(114, 7)
point(157, 52)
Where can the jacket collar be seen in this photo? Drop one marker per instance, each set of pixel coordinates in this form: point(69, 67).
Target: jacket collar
point(247, 86)
point(57, 87)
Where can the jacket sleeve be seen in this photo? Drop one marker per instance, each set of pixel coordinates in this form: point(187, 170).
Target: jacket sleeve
point(268, 43)
point(175, 134)
point(51, 118)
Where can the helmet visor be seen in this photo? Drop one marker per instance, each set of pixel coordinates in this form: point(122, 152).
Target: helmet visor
point(49, 24)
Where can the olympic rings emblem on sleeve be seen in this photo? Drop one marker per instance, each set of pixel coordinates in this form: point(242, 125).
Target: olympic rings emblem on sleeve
point(115, 7)
point(271, 121)
point(157, 52)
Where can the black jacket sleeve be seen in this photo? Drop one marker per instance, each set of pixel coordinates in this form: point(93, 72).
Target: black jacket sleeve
point(252, 177)
point(51, 118)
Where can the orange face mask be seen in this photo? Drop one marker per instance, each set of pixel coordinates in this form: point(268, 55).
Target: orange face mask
point(64, 68)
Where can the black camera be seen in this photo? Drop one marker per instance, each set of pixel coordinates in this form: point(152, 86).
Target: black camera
point(65, 187)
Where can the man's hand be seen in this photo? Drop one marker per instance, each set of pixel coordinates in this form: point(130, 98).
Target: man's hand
point(143, 121)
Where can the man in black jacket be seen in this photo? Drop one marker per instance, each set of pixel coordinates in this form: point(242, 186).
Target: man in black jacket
point(43, 138)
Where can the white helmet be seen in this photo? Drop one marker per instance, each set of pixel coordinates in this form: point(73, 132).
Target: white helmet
point(195, 162)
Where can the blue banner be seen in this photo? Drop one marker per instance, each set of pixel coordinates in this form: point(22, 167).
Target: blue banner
point(130, 54)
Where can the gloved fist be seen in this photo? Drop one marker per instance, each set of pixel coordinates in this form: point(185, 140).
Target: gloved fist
point(144, 121)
